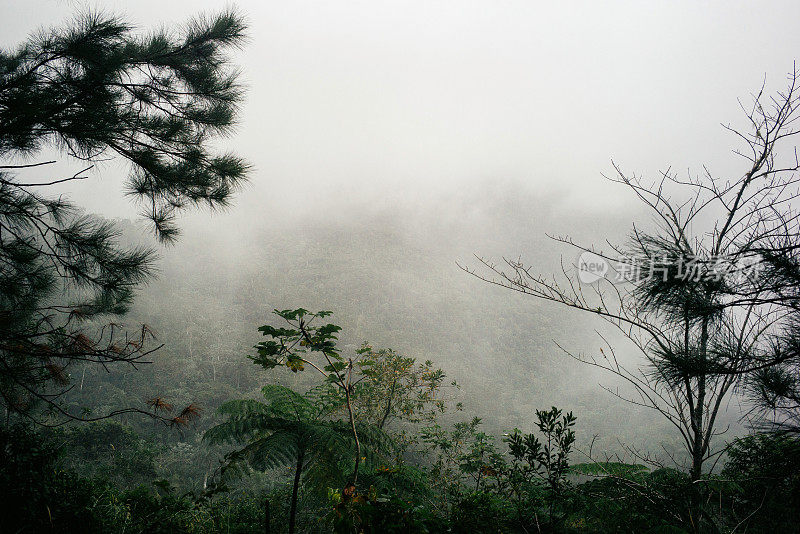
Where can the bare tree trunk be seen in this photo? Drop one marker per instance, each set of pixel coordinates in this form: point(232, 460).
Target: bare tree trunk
point(388, 405)
point(353, 426)
point(266, 516)
point(698, 436)
point(346, 384)
point(698, 442)
point(293, 507)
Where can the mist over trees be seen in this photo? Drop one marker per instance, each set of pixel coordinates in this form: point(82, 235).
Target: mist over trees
point(329, 366)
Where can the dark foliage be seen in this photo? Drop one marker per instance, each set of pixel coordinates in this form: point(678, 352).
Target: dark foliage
point(94, 90)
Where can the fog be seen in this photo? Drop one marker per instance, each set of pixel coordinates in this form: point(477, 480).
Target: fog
point(405, 104)
point(390, 140)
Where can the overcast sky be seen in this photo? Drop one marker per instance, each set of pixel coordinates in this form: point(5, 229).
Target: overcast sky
point(414, 103)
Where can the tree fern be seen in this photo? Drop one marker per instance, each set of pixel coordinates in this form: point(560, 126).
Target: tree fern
point(288, 429)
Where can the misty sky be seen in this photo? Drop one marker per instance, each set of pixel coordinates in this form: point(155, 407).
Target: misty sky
point(424, 103)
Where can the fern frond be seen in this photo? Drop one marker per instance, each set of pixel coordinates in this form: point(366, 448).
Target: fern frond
point(284, 402)
point(276, 450)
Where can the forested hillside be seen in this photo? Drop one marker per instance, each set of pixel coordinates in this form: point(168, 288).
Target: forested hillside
point(499, 352)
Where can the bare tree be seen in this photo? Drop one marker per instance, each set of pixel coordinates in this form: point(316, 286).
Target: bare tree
point(693, 293)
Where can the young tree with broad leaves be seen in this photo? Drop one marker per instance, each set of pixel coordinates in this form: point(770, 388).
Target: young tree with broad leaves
point(392, 393)
point(93, 90)
point(535, 462)
point(305, 343)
